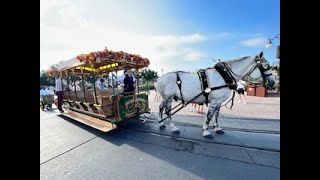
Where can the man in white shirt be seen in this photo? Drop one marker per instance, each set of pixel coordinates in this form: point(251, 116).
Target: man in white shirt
point(59, 92)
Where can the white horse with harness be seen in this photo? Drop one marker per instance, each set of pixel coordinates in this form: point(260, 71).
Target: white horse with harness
point(211, 85)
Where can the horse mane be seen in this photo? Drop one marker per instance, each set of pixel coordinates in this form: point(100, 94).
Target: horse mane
point(236, 60)
point(226, 61)
point(181, 72)
point(178, 72)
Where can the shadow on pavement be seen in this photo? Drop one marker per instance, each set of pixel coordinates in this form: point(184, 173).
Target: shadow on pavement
point(190, 156)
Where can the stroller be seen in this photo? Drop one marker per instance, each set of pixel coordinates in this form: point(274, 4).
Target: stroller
point(46, 101)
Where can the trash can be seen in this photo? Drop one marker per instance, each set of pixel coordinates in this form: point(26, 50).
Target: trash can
point(251, 89)
point(261, 91)
point(256, 90)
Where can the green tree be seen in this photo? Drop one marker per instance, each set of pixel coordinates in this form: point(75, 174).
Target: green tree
point(136, 74)
point(45, 79)
point(149, 75)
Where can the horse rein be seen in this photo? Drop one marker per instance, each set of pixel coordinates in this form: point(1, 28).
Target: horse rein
point(259, 65)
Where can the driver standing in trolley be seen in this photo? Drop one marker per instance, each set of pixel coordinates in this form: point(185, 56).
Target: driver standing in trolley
point(128, 81)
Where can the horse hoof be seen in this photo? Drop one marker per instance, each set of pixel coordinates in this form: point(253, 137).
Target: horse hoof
point(162, 126)
point(206, 134)
point(220, 131)
point(176, 132)
point(209, 136)
point(174, 129)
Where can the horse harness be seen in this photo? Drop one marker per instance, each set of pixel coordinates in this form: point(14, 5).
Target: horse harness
point(226, 73)
point(223, 70)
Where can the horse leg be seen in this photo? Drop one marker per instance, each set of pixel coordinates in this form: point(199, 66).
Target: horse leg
point(161, 108)
point(217, 129)
point(205, 127)
point(168, 113)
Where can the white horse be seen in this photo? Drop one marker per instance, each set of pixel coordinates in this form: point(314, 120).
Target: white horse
point(254, 66)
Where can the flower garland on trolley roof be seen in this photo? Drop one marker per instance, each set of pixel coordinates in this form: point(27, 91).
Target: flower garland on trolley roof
point(106, 55)
point(52, 71)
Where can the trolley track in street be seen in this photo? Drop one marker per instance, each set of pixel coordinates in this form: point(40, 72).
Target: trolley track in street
point(173, 136)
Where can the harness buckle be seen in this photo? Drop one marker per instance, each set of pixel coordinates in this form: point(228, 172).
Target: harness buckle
point(207, 90)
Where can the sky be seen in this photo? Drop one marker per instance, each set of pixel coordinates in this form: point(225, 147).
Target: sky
point(174, 34)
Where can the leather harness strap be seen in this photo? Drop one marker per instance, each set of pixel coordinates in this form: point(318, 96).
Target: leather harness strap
point(207, 90)
point(223, 71)
point(179, 82)
point(204, 83)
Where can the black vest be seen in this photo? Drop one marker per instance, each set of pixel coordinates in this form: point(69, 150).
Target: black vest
point(128, 83)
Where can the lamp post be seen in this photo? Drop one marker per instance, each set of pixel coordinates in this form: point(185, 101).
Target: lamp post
point(269, 45)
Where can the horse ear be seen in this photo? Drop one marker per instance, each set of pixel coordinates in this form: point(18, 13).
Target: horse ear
point(261, 55)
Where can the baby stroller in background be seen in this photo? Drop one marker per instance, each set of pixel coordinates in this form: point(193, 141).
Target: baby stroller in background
point(46, 101)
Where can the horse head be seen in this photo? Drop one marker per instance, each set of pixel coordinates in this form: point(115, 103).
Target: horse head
point(260, 72)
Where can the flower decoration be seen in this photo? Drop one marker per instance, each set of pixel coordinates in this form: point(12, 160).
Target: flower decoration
point(107, 55)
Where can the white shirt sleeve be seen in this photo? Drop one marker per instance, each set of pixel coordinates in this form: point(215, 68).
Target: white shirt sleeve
point(134, 79)
point(121, 78)
point(244, 83)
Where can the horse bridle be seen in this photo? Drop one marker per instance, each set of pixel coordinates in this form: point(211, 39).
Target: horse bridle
point(261, 68)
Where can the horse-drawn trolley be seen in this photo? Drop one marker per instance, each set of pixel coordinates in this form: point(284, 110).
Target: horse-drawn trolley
point(91, 92)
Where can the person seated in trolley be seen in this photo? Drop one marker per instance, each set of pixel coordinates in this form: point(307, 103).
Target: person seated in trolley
point(100, 84)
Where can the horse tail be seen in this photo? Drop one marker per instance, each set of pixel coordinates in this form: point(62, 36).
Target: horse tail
point(158, 88)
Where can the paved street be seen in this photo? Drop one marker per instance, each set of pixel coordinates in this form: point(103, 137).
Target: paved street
point(95, 53)
point(70, 150)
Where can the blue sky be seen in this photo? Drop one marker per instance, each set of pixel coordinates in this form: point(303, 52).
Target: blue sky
point(173, 34)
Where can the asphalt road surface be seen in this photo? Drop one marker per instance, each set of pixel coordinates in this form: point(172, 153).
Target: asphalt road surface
point(71, 150)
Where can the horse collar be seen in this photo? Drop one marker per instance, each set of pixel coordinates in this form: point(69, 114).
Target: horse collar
point(224, 71)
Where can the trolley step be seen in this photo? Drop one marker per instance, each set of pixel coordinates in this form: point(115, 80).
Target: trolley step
point(99, 124)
